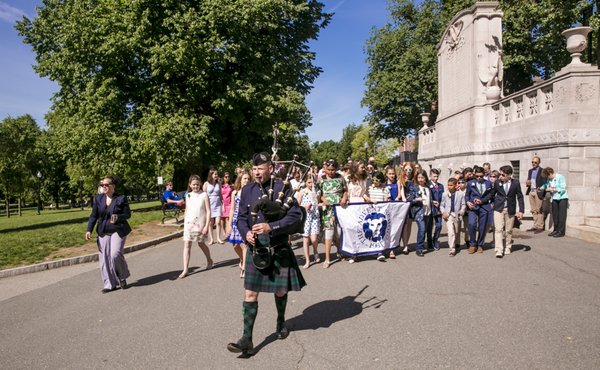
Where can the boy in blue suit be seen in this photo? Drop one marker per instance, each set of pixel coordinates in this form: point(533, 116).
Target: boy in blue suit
point(437, 191)
point(478, 188)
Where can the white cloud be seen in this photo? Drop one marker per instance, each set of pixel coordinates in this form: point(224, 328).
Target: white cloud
point(9, 13)
point(337, 6)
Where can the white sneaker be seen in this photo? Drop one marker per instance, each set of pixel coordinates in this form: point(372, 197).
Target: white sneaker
point(506, 251)
point(351, 260)
point(498, 254)
point(381, 257)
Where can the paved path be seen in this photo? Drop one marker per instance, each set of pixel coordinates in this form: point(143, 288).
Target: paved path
point(537, 308)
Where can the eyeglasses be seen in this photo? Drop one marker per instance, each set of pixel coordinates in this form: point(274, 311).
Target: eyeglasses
point(535, 162)
point(105, 185)
point(408, 169)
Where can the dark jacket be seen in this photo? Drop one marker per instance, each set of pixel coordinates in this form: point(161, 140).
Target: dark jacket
point(514, 195)
point(280, 229)
point(539, 179)
point(101, 215)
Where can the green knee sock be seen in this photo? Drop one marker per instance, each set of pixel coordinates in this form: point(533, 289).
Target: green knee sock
point(280, 303)
point(249, 311)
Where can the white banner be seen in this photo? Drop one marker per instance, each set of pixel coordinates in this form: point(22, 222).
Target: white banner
point(371, 228)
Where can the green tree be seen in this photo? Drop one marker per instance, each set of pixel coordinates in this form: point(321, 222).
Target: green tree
point(18, 162)
point(402, 77)
point(191, 83)
point(345, 146)
point(324, 150)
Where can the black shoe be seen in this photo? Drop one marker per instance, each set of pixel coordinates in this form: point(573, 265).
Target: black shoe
point(420, 253)
point(552, 233)
point(243, 345)
point(123, 284)
point(282, 331)
point(105, 290)
point(558, 235)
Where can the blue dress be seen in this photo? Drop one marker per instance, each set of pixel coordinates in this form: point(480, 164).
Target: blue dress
point(235, 237)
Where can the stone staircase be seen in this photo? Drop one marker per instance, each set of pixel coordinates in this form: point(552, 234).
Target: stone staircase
point(589, 231)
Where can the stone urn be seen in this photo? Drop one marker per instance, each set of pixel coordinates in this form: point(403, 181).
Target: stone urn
point(492, 92)
point(576, 42)
point(425, 119)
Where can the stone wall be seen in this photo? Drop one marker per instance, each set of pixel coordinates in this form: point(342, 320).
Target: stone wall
point(558, 120)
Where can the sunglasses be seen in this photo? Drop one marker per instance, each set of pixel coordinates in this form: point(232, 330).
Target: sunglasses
point(478, 176)
point(105, 185)
point(535, 162)
point(408, 169)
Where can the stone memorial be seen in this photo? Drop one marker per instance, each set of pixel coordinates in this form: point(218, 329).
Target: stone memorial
point(557, 119)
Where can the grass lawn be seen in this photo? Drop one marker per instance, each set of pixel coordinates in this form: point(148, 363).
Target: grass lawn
point(30, 238)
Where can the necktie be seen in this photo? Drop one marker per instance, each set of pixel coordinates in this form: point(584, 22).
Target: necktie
point(452, 202)
point(479, 188)
point(506, 186)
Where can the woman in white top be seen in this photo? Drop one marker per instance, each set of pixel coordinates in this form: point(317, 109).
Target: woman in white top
point(422, 209)
point(196, 223)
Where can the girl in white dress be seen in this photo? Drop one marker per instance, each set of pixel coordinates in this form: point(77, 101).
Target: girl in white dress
point(196, 223)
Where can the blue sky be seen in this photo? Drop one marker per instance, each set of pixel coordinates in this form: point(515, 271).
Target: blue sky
point(334, 101)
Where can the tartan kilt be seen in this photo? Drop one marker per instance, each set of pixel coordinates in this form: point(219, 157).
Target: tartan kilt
point(284, 275)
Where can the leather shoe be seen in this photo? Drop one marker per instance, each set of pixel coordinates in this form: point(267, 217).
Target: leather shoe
point(558, 235)
point(420, 253)
point(452, 254)
point(243, 345)
point(471, 250)
point(479, 249)
point(106, 290)
point(552, 233)
point(282, 331)
point(123, 284)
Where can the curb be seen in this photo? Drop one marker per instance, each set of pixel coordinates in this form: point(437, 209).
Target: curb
point(82, 259)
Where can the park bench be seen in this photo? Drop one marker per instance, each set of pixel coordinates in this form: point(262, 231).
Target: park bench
point(169, 212)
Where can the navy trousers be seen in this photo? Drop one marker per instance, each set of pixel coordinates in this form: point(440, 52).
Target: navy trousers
point(477, 225)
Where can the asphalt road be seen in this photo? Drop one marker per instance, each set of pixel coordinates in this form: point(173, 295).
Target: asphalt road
point(537, 308)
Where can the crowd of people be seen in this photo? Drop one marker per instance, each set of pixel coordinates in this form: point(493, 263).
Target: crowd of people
point(474, 202)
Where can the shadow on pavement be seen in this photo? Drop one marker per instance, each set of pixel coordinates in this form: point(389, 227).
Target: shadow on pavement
point(326, 313)
point(170, 275)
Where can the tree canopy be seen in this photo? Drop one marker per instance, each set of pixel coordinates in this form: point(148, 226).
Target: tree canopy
point(186, 82)
point(402, 56)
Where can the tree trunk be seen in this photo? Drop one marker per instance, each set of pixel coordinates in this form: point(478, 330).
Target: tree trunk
point(19, 206)
point(7, 201)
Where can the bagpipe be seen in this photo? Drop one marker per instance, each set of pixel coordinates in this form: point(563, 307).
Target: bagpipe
point(275, 208)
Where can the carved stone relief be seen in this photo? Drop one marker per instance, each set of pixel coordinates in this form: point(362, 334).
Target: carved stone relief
point(584, 92)
point(454, 38)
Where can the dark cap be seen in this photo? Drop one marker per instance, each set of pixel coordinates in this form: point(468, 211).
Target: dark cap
point(260, 158)
point(331, 162)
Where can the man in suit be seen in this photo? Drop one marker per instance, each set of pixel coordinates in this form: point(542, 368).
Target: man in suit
point(437, 192)
point(506, 192)
point(477, 189)
point(452, 207)
point(534, 181)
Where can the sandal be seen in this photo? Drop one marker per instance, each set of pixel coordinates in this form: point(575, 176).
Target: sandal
point(209, 265)
point(392, 255)
point(182, 276)
point(242, 274)
point(306, 265)
point(317, 258)
point(326, 264)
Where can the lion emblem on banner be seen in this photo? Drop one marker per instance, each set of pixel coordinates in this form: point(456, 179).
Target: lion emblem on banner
point(375, 226)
